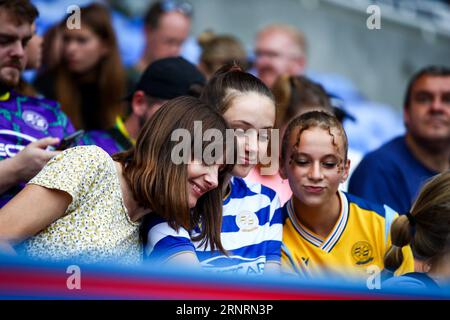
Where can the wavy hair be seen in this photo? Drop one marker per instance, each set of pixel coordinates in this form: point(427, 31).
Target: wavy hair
point(110, 75)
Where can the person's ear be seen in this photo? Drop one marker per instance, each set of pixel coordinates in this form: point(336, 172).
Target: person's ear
point(147, 30)
point(346, 171)
point(406, 117)
point(299, 65)
point(139, 103)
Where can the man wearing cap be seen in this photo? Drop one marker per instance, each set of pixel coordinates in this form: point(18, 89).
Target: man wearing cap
point(163, 80)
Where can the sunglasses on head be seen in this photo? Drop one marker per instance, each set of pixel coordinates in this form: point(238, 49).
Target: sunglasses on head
point(177, 5)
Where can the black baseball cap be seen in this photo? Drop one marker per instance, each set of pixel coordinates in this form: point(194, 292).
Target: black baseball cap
point(169, 78)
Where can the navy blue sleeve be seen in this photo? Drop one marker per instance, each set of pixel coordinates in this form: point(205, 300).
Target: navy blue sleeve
point(375, 179)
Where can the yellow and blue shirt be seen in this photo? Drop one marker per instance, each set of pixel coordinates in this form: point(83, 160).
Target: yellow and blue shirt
point(359, 239)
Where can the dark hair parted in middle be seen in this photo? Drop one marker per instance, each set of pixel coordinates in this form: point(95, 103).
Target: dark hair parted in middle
point(159, 184)
point(229, 82)
point(109, 77)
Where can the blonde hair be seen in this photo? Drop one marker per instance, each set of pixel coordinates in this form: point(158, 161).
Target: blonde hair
point(218, 50)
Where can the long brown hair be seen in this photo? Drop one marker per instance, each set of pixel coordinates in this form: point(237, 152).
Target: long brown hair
point(159, 184)
point(427, 229)
point(110, 77)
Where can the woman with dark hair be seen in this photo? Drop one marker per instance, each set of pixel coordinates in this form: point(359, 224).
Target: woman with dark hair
point(90, 205)
point(89, 81)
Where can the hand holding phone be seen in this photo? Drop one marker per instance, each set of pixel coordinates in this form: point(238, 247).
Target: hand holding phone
point(66, 142)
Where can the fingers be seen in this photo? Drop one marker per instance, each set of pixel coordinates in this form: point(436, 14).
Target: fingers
point(45, 142)
point(50, 154)
point(42, 148)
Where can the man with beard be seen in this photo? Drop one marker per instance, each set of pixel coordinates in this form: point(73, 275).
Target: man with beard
point(394, 173)
point(28, 126)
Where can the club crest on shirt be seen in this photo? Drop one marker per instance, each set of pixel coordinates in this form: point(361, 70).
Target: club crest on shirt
point(362, 252)
point(35, 120)
point(247, 221)
point(305, 261)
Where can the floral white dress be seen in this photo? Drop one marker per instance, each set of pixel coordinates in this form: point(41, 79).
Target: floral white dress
point(96, 226)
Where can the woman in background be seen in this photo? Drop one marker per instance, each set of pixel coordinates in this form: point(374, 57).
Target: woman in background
point(89, 81)
point(218, 50)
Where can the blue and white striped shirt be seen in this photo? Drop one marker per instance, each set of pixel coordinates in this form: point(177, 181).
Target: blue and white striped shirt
point(251, 233)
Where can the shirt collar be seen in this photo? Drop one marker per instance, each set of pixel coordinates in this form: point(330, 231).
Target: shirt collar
point(5, 96)
point(123, 130)
point(338, 229)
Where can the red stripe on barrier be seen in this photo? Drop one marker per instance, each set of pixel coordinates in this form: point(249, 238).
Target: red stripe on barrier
point(51, 282)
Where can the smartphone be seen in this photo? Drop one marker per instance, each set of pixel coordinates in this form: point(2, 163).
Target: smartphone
point(66, 142)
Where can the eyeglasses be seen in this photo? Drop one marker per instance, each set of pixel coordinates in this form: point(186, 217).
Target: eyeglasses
point(176, 5)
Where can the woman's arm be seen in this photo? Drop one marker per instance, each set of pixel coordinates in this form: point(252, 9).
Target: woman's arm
point(30, 211)
point(187, 259)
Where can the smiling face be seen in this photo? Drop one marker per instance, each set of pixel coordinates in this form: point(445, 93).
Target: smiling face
point(250, 111)
point(201, 179)
point(14, 37)
point(314, 165)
